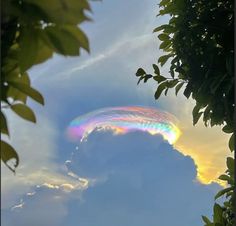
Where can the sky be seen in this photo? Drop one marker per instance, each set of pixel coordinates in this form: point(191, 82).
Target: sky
point(130, 179)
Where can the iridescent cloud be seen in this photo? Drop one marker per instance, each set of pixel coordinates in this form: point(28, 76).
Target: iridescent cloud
point(122, 120)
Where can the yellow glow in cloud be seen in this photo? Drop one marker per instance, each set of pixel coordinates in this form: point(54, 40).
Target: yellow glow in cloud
point(207, 146)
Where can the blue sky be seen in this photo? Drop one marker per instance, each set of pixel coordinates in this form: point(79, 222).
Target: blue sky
point(134, 179)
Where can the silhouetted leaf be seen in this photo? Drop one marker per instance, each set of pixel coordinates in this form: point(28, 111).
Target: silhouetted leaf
point(159, 90)
point(162, 60)
point(222, 192)
point(34, 94)
point(227, 129)
point(146, 77)
point(230, 164)
point(206, 220)
point(163, 37)
point(8, 153)
point(156, 69)
point(140, 72)
point(226, 178)
point(4, 128)
point(159, 78)
point(231, 142)
point(217, 217)
point(178, 87)
point(24, 112)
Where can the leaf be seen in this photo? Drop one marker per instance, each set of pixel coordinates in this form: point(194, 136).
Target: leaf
point(165, 44)
point(24, 112)
point(163, 37)
point(230, 164)
point(146, 77)
point(66, 40)
point(178, 87)
point(166, 90)
point(15, 93)
point(187, 91)
point(140, 72)
point(8, 153)
point(172, 83)
point(156, 69)
point(164, 2)
point(140, 79)
point(227, 129)
point(79, 35)
point(63, 12)
point(28, 48)
point(44, 51)
point(206, 220)
point(159, 90)
point(231, 142)
point(162, 27)
point(162, 60)
point(217, 217)
point(4, 128)
point(159, 78)
point(226, 178)
point(196, 114)
point(34, 94)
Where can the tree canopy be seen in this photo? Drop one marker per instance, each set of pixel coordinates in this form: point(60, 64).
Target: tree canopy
point(198, 42)
point(31, 32)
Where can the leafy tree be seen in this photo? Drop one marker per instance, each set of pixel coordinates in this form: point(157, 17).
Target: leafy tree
point(199, 44)
point(31, 32)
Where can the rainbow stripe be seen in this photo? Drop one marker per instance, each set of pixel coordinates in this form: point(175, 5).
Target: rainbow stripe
point(121, 120)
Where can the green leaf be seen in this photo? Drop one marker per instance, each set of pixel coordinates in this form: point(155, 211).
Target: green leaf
point(140, 72)
point(166, 91)
point(165, 44)
point(227, 129)
point(172, 83)
point(217, 217)
point(226, 178)
point(178, 87)
point(159, 90)
point(162, 27)
point(4, 128)
point(231, 142)
point(28, 48)
point(140, 79)
point(146, 77)
point(162, 60)
point(34, 94)
point(14, 93)
point(63, 12)
point(156, 69)
point(163, 37)
point(159, 78)
point(196, 114)
point(206, 220)
point(230, 164)
point(164, 2)
point(24, 112)
point(8, 153)
point(79, 35)
point(187, 91)
point(44, 51)
point(158, 29)
point(66, 40)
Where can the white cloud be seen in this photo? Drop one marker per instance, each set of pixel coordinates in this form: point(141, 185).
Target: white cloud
point(35, 144)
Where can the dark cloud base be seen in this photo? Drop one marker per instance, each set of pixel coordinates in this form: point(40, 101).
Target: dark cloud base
point(141, 180)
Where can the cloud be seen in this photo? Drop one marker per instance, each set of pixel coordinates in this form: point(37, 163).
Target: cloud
point(208, 146)
point(36, 146)
point(139, 180)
